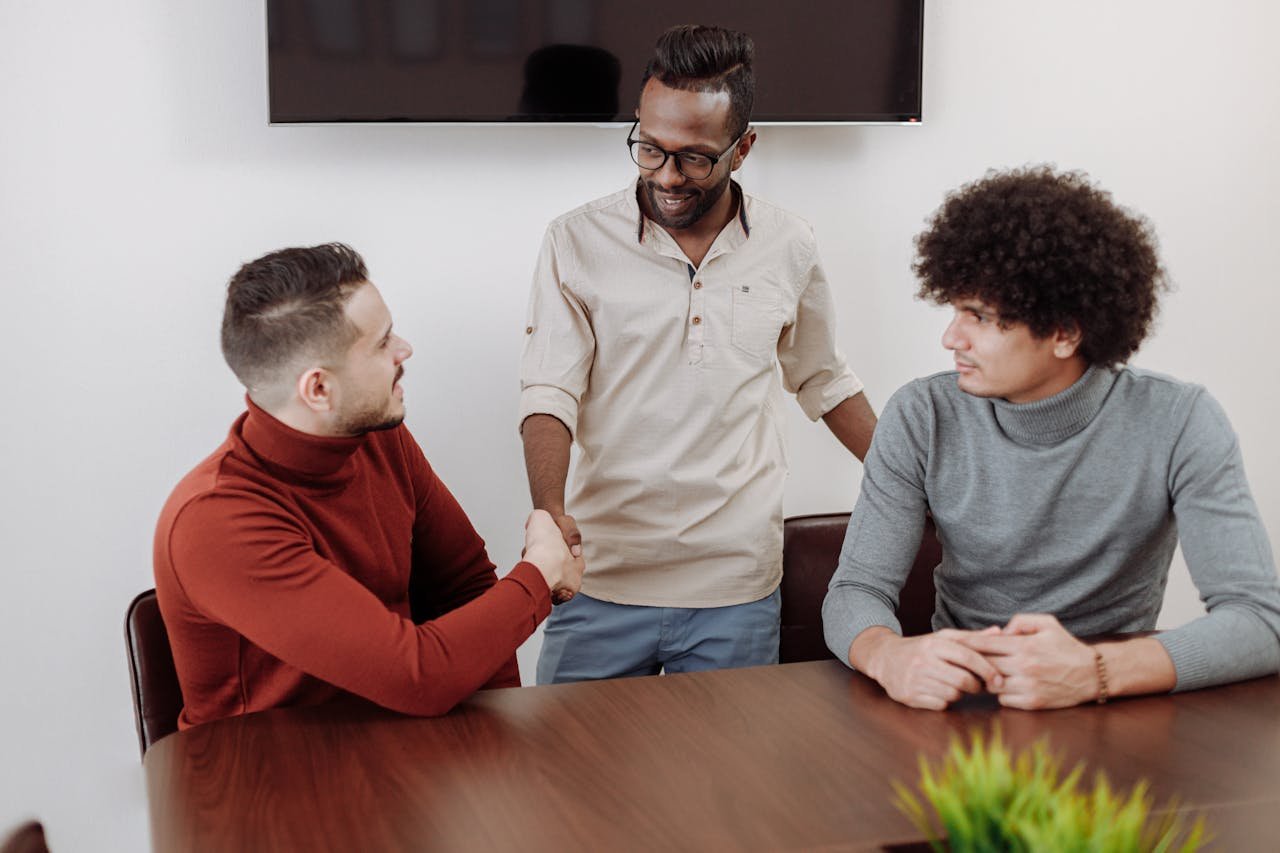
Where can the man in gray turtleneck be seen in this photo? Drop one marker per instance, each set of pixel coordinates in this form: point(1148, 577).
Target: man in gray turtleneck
point(1060, 481)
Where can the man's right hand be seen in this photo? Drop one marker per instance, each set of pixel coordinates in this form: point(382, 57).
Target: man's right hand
point(569, 529)
point(930, 671)
point(546, 547)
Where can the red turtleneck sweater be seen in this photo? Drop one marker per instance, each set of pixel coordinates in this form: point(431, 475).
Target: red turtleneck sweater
point(286, 565)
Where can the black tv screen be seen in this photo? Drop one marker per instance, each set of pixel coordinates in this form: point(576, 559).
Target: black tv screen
point(817, 61)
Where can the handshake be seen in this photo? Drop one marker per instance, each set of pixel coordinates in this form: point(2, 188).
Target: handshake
point(546, 547)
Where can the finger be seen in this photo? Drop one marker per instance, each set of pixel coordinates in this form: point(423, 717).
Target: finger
point(992, 644)
point(962, 655)
point(569, 529)
point(1025, 701)
point(1029, 623)
point(951, 677)
point(925, 701)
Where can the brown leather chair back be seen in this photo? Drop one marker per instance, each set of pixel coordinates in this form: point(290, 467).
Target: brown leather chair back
point(810, 551)
point(28, 838)
point(157, 698)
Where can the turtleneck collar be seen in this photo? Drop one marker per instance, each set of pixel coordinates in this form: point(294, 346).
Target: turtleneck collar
point(1059, 417)
point(306, 457)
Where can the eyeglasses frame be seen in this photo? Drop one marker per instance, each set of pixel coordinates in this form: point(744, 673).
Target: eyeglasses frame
point(668, 155)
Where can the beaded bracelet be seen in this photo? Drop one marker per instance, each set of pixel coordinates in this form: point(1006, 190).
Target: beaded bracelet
point(1102, 677)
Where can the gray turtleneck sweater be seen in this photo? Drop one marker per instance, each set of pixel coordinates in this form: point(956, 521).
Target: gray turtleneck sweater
point(1071, 505)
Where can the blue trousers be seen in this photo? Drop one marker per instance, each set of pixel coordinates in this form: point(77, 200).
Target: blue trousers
point(586, 638)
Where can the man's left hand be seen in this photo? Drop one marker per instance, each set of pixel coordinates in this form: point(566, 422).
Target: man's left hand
point(1043, 665)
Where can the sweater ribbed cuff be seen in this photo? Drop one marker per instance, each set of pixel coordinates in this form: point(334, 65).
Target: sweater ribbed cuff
point(1190, 659)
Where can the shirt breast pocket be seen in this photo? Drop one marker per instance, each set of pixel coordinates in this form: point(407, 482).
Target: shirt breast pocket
point(757, 321)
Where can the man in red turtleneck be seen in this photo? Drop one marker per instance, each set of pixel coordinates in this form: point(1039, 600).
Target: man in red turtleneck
point(316, 553)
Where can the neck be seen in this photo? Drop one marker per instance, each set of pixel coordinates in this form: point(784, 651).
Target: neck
point(294, 414)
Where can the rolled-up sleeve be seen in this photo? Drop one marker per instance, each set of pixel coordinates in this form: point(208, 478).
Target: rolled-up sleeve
point(559, 344)
point(813, 368)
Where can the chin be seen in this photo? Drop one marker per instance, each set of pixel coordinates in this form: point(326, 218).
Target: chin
point(973, 388)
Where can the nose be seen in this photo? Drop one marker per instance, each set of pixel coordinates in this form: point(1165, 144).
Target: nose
point(403, 350)
point(668, 175)
point(952, 337)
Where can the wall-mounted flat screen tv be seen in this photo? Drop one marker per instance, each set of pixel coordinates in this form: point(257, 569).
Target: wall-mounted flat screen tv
point(498, 61)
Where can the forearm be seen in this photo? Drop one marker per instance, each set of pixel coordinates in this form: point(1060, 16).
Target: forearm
point(507, 676)
point(852, 612)
point(853, 422)
point(1230, 643)
point(546, 459)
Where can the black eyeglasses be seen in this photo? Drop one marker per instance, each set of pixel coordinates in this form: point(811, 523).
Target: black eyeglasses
point(691, 164)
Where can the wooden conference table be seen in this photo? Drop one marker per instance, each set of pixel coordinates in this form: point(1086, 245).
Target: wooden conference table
point(790, 757)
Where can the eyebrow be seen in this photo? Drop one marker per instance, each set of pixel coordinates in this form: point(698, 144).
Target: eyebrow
point(385, 335)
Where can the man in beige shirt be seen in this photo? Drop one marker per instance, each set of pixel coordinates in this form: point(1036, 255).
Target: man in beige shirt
point(657, 323)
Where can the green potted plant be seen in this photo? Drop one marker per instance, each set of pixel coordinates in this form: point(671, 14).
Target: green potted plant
point(987, 799)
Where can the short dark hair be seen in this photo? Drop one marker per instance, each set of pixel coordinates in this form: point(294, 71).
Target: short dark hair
point(288, 304)
point(1048, 249)
point(708, 59)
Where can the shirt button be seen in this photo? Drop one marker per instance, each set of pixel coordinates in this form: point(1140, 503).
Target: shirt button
point(697, 285)
point(528, 330)
point(697, 321)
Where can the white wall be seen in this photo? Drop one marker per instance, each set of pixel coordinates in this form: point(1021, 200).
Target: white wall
point(137, 172)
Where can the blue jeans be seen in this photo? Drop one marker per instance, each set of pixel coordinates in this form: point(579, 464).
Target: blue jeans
point(587, 638)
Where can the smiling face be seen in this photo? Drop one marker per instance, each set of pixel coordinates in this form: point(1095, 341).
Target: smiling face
point(1006, 360)
point(680, 120)
point(366, 384)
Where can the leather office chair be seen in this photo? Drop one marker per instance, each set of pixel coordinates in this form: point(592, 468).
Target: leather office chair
point(810, 551)
point(157, 697)
point(27, 838)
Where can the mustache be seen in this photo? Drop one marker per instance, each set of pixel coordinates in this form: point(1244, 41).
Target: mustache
point(654, 188)
point(399, 373)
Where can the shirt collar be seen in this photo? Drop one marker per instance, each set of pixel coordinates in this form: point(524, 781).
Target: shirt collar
point(1059, 417)
point(739, 196)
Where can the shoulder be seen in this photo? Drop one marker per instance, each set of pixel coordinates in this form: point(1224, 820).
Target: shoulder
point(775, 221)
point(912, 411)
point(1151, 395)
point(619, 206)
point(1139, 384)
point(937, 393)
point(208, 477)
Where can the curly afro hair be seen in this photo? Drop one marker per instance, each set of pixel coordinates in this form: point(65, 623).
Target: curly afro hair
point(1050, 250)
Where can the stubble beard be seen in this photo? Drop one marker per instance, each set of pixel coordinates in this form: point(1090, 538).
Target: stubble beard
point(707, 199)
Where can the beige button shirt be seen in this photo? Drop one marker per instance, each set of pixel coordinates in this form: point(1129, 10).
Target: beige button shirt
point(666, 376)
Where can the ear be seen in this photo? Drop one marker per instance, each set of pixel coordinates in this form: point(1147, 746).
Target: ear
point(1066, 342)
point(315, 389)
point(743, 148)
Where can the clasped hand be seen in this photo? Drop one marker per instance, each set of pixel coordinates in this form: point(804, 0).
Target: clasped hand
point(559, 562)
point(1031, 663)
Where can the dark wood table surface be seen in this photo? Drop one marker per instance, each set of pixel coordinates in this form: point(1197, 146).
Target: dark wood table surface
point(790, 757)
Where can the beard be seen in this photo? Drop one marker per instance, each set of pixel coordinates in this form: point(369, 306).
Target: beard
point(705, 200)
point(369, 420)
point(373, 417)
